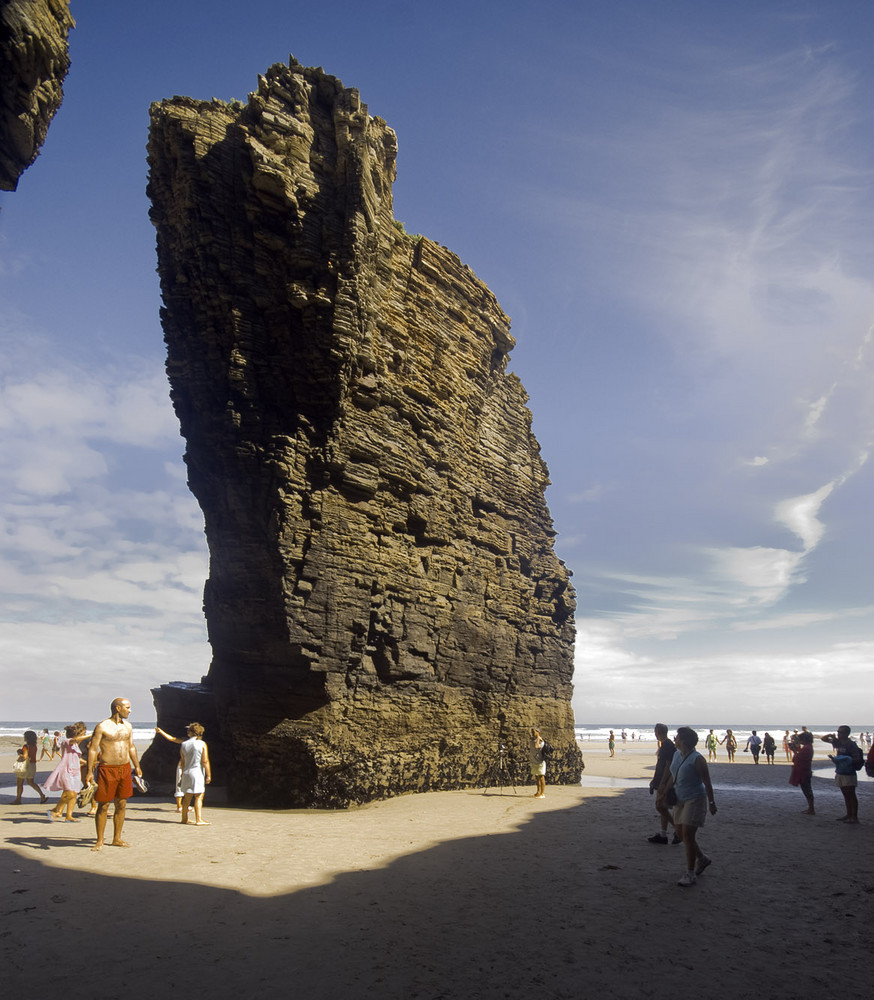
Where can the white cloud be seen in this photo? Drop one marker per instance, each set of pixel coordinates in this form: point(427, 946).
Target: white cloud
point(613, 682)
point(802, 619)
point(762, 575)
point(799, 515)
point(102, 581)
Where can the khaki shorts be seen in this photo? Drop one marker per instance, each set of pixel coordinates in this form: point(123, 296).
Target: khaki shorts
point(692, 812)
point(846, 780)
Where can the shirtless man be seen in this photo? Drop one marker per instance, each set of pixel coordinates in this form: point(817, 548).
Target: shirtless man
point(112, 746)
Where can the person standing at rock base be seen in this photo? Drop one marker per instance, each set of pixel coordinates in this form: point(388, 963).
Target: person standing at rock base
point(537, 763)
point(196, 774)
point(112, 746)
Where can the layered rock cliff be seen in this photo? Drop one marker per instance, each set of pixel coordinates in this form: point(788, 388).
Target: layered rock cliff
point(384, 603)
point(34, 60)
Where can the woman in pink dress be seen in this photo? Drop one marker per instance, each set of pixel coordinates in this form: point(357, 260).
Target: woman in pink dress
point(66, 777)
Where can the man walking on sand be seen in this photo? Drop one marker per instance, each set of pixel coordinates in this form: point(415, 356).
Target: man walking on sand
point(112, 746)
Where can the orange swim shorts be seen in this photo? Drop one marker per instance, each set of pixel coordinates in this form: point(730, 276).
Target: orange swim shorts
point(113, 782)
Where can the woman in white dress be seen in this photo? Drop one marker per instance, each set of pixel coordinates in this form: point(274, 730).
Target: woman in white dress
point(196, 775)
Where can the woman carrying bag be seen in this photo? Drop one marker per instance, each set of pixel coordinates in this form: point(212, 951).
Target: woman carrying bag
point(688, 789)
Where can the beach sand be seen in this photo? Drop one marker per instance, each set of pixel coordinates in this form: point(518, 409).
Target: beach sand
point(449, 894)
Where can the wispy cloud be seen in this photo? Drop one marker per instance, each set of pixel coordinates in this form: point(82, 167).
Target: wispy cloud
point(102, 557)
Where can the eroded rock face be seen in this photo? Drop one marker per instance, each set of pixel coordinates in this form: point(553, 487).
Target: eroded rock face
point(34, 59)
point(384, 603)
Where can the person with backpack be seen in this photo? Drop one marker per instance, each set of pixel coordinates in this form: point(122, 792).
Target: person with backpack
point(848, 759)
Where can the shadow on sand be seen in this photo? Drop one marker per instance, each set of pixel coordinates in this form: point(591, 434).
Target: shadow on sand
point(573, 903)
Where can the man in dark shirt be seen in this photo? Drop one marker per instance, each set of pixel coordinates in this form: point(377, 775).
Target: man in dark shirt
point(666, 753)
point(845, 747)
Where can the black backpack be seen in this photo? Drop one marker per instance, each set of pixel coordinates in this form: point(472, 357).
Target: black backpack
point(546, 750)
point(856, 755)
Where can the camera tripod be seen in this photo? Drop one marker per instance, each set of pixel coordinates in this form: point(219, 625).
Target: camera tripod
point(501, 772)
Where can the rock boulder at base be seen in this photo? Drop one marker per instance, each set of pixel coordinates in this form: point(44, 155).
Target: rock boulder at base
point(384, 603)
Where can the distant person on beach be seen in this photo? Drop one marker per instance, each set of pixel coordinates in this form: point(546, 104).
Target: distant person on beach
point(67, 776)
point(196, 774)
point(46, 744)
point(664, 756)
point(56, 743)
point(537, 763)
point(711, 742)
point(787, 745)
point(25, 768)
point(611, 744)
point(801, 774)
point(846, 755)
point(689, 777)
point(112, 746)
point(754, 745)
point(769, 747)
point(730, 741)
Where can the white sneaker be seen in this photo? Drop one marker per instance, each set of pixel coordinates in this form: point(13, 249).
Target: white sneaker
point(688, 879)
point(703, 862)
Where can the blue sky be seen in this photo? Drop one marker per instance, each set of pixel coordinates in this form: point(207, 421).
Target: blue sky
point(673, 203)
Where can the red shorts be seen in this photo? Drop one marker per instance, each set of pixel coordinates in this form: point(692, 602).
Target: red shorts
point(113, 782)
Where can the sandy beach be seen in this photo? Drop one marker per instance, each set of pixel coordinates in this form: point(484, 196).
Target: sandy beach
point(450, 894)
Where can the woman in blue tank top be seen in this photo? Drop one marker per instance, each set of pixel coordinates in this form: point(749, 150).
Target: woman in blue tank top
point(689, 777)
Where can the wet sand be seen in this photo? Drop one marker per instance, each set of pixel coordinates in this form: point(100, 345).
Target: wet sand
point(451, 894)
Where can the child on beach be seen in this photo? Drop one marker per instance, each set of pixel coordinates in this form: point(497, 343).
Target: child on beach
point(177, 791)
point(67, 776)
point(27, 773)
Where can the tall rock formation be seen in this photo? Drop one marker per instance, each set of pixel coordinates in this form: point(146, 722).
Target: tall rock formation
point(34, 59)
point(384, 603)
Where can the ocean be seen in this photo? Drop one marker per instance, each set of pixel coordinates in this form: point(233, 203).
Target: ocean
point(643, 733)
point(637, 733)
point(15, 730)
